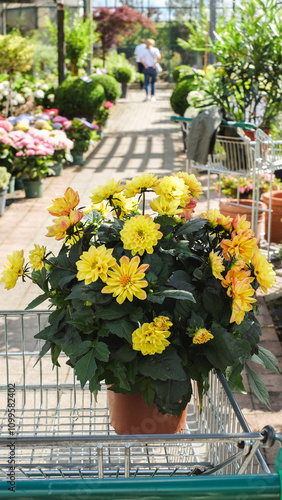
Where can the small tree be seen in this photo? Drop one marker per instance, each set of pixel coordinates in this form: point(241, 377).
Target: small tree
point(249, 59)
point(115, 23)
point(77, 39)
point(16, 55)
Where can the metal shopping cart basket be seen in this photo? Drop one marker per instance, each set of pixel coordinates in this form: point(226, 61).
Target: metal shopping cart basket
point(56, 440)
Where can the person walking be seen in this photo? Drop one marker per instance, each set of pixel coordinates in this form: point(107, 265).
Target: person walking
point(137, 52)
point(150, 58)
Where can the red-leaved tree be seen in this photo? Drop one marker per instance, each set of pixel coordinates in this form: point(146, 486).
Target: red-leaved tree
point(116, 23)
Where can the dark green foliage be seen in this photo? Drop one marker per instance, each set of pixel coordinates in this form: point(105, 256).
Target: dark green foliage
point(179, 71)
point(123, 74)
point(111, 86)
point(178, 99)
point(75, 97)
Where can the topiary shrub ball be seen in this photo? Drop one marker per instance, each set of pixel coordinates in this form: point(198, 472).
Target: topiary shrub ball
point(123, 74)
point(76, 97)
point(111, 86)
point(178, 99)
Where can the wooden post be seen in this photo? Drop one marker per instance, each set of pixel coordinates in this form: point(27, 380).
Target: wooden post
point(61, 40)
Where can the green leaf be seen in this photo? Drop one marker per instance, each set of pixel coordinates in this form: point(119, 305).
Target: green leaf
point(148, 394)
point(55, 352)
point(236, 384)
point(258, 386)
point(125, 354)
point(83, 324)
point(119, 371)
point(223, 342)
point(192, 226)
point(176, 294)
point(121, 328)
point(102, 351)
point(67, 279)
point(171, 396)
point(114, 311)
point(85, 368)
point(43, 351)
point(165, 366)
point(181, 281)
point(36, 302)
point(44, 334)
point(268, 359)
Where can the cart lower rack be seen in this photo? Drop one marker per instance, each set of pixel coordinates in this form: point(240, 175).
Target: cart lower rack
point(56, 440)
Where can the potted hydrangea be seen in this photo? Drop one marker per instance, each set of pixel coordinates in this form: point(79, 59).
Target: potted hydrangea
point(149, 302)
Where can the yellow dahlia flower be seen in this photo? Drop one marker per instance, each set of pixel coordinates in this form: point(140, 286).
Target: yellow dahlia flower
point(122, 205)
point(62, 224)
point(140, 234)
point(242, 293)
point(126, 280)
point(212, 215)
point(195, 187)
point(240, 223)
point(63, 206)
point(36, 257)
point(149, 340)
point(163, 206)
point(263, 271)
point(216, 265)
point(139, 184)
point(102, 207)
point(14, 269)
point(239, 274)
point(107, 191)
point(95, 264)
point(173, 188)
point(241, 246)
point(202, 336)
point(162, 322)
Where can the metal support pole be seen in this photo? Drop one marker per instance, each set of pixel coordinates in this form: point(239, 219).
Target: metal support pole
point(212, 26)
point(3, 18)
point(61, 40)
point(89, 14)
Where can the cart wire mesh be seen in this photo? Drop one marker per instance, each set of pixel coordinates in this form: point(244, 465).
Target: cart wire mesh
point(59, 431)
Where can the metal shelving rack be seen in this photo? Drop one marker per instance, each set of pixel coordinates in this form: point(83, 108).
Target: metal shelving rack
point(66, 448)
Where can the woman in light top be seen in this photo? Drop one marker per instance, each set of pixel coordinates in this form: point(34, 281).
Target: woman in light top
point(150, 58)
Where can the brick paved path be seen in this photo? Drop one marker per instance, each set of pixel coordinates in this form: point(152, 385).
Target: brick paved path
point(139, 137)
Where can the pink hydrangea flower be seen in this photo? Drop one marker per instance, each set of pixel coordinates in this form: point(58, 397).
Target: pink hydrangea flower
point(108, 104)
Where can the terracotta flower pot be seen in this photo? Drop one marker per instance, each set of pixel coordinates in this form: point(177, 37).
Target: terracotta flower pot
point(276, 216)
point(226, 208)
point(129, 414)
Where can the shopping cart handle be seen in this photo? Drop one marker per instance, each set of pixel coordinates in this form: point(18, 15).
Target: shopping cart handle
point(243, 125)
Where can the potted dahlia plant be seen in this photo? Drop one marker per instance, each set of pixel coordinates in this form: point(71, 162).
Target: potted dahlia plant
point(149, 302)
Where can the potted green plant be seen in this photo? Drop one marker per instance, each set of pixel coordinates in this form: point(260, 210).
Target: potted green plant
point(4, 182)
point(149, 302)
point(124, 75)
point(247, 48)
point(81, 133)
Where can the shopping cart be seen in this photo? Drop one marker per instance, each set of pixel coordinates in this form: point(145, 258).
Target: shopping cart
point(239, 156)
point(56, 440)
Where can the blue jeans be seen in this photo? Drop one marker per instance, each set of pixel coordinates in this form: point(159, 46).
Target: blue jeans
point(150, 73)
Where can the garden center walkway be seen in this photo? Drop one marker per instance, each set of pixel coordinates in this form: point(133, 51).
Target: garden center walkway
point(139, 137)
